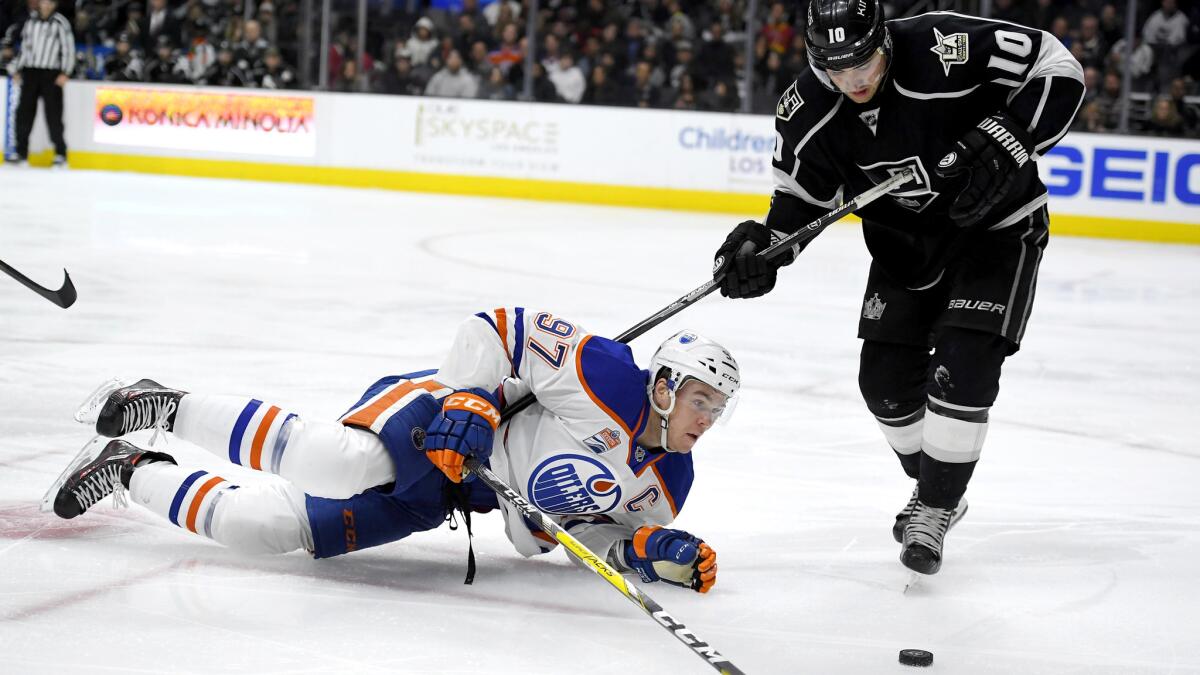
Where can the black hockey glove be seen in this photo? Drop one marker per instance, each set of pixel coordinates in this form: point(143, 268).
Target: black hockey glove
point(746, 275)
point(990, 160)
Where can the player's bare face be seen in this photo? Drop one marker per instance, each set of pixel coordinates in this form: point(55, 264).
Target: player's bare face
point(697, 408)
point(861, 83)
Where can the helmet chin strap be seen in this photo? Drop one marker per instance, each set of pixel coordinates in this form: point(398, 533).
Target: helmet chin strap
point(664, 413)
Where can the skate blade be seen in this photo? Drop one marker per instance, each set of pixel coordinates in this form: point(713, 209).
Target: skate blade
point(86, 454)
point(913, 578)
point(89, 410)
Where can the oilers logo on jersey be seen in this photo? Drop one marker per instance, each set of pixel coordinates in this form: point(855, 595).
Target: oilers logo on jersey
point(573, 484)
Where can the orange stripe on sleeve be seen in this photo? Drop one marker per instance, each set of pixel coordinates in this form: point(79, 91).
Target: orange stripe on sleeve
point(665, 490)
point(260, 436)
point(195, 507)
point(588, 390)
point(365, 417)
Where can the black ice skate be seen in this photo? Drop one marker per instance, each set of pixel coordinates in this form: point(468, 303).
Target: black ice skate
point(924, 535)
point(902, 517)
point(109, 472)
point(144, 404)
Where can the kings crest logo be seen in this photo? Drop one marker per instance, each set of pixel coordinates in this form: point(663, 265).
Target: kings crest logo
point(951, 49)
point(873, 308)
point(570, 484)
point(604, 441)
point(912, 194)
point(789, 103)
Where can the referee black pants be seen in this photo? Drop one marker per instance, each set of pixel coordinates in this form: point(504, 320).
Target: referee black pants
point(39, 83)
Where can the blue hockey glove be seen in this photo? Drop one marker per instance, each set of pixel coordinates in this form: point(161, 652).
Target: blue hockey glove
point(463, 428)
point(990, 161)
point(673, 556)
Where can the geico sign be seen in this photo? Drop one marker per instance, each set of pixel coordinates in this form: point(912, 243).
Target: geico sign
point(1122, 173)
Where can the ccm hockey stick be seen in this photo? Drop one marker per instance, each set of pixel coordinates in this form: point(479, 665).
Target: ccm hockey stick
point(773, 252)
point(593, 562)
point(63, 297)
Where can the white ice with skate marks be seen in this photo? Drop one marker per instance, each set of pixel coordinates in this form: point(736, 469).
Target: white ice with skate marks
point(1079, 554)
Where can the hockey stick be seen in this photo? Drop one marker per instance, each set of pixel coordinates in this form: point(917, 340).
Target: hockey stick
point(606, 571)
point(63, 297)
point(773, 252)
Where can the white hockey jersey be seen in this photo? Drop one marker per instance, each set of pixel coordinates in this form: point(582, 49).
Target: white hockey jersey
point(573, 454)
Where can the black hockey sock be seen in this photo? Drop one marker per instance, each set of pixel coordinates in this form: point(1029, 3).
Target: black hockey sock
point(911, 464)
point(942, 484)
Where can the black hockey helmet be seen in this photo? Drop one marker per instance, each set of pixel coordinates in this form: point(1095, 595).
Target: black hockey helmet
point(844, 34)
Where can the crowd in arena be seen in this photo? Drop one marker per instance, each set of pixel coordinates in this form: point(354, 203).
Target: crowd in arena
point(681, 54)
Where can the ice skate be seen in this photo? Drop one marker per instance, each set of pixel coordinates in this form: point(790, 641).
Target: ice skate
point(105, 474)
point(924, 536)
point(902, 516)
point(144, 404)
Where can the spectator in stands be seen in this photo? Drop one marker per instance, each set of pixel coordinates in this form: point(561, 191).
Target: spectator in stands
point(1092, 48)
point(796, 61)
point(1141, 62)
point(134, 27)
point(1111, 25)
point(635, 40)
point(1164, 118)
point(1187, 112)
point(1060, 29)
point(720, 97)
point(714, 60)
point(543, 88)
point(602, 90)
point(495, 86)
point(467, 33)
point(400, 79)
point(1042, 15)
point(274, 73)
point(772, 82)
point(225, 72)
point(508, 51)
point(1010, 10)
point(166, 66)
point(683, 64)
point(778, 30)
point(590, 58)
point(347, 80)
point(196, 25)
point(613, 46)
point(1090, 118)
point(502, 12)
point(1109, 100)
point(645, 94)
point(159, 22)
point(422, 43)
point(200, 56)
point(253, 46)
point(568, 79)
point(270, 27)
point(551, 51)
point(8, 55)
point(1091, 83)
point(453, 81)
point(123, 65)
point(685, 98)
point(477, 60)
point(1166, 31)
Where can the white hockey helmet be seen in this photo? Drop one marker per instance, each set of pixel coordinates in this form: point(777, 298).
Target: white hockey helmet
point(687, 355)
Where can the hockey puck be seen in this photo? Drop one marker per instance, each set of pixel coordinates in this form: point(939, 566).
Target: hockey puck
point(916, 657)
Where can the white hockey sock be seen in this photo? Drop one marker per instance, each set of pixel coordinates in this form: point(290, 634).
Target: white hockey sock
point(954, 433)
point(256, 519)
point(904, 433)
point(243, 430)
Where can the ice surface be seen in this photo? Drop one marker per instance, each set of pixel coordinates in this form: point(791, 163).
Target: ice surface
point(1081, 552)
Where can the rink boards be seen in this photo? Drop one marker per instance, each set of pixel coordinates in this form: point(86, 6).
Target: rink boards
point(1101, 185)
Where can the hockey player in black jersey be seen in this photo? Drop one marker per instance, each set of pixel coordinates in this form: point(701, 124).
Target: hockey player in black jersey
point(968, 105)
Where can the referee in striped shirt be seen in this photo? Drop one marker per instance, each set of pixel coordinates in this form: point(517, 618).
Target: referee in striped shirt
point(47, 55)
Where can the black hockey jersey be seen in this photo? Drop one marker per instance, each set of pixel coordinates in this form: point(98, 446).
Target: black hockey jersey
point(947, 72)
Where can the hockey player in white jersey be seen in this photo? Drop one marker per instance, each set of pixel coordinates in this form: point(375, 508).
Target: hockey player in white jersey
point(605, 451)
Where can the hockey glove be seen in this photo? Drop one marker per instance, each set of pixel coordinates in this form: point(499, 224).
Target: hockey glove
point(673, 556)
point(463, 428)
point(746, 275)
point(990, 161)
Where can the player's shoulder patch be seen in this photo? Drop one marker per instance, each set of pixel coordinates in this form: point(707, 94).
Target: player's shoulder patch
point(952, 49)
point(789, 103)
